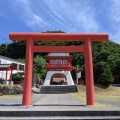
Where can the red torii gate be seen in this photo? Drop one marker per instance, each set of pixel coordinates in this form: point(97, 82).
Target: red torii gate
point(30, 37)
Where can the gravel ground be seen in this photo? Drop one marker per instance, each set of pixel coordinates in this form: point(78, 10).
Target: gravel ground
point(16, 100)
point(111, 103)
point(9, 101)
point(42, 102)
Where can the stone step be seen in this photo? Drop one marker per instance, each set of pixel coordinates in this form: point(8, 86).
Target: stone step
point(82, 113)
point(62, 118)
point(44, 88)
point(58, 89)
point(55, 92)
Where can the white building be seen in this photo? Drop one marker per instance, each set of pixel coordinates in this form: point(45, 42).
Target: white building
point(5, 61)
point(58, 69)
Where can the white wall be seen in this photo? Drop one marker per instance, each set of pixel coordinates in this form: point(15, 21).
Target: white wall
point(66, 73)
point(3, 74)
point(10, 61)
point(5, 60)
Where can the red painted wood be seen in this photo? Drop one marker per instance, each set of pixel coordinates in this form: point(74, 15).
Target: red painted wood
point(86, 37)
point(54, 67)
point(27, 92)
point(9, 68)
point(90, 98)
point(58, 36)
point(58, 48)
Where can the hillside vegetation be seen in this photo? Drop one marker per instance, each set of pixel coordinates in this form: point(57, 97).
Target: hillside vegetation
point(106, 58)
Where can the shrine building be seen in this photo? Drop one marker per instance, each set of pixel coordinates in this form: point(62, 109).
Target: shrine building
point(58, 69)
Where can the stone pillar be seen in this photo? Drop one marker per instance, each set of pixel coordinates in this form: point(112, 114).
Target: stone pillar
point(89, 73)
point(76, 78)
point(27, 93)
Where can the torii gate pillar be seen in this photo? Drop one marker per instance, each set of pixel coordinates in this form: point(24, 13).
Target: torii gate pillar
point(90, 98)
point(27, 94)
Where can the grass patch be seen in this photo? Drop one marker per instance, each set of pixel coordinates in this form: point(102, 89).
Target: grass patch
point(107, 94)
point(3, 85)
point(9, 85)
point(11, 96)
point(100, 106)
point(81, 97)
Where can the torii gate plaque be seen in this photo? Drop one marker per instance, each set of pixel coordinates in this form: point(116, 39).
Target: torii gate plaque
point(87, 38)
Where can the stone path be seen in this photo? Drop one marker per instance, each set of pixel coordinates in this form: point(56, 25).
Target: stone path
point(51, 106)
point(43, 102)
point(59, 102)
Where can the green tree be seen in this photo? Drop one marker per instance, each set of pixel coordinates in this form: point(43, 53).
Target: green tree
point(117, 67)
point(3, 51)
point(39, 65)
point(106, 52)
point(106, 77)
point(102, 56)
point(102, 73)
point(21, 60)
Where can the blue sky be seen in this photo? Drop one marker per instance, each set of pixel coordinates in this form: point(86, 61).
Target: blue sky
point(66, 15)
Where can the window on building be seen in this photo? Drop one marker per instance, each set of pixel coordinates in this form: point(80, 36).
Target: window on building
point(14, 65)
point(22, 67)
point(65, 62)
point(51, 62)
point(58, 62)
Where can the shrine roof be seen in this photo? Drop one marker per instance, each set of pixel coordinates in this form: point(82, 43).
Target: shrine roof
point(6, 67)
point(10, 59)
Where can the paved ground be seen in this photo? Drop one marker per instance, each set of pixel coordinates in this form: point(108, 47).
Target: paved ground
point(49, 102)
point(44, 102)
point(59, 102)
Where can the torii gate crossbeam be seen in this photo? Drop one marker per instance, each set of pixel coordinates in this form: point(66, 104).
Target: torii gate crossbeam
point(87, 38)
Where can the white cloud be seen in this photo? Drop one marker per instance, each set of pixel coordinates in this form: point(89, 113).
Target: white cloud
point(114, 17)
point(54, 10)
point(74, 15)
point(67, 15)
point(115, 10)
point(36, 21)
point(29, 16)
point(87, 22)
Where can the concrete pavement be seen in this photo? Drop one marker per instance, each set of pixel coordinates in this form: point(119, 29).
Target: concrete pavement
point(52, 106)
point(44, 102)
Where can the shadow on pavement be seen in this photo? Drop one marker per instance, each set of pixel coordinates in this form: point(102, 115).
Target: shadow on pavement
point(58, 105)
point(10, 105)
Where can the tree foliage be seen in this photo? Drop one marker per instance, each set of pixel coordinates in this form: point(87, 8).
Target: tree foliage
point(38, 67)
point(106, 57)
point(102, 73)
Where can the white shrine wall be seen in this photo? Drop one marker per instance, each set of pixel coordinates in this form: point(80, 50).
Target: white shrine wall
point(66, 73)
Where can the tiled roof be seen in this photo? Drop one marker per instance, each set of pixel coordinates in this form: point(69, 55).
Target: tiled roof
point(7, 58)
point(6, 66)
